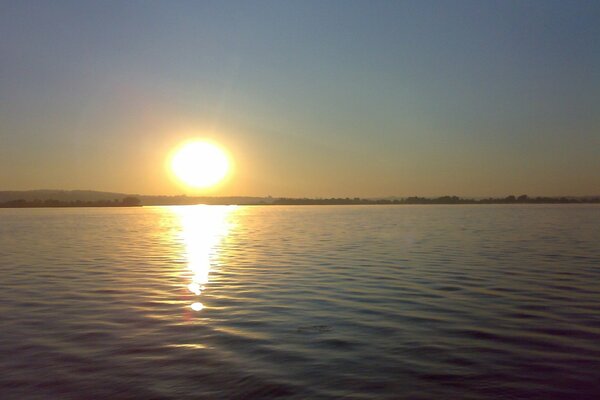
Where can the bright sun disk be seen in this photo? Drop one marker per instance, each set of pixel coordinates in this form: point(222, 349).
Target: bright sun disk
point(200, 164)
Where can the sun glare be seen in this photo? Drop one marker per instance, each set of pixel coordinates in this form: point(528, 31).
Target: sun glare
point(200, 164)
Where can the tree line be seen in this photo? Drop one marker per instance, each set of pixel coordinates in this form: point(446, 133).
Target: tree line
point(131, 201)
point(523, 199)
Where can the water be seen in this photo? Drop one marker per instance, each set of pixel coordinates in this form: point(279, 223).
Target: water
point(398, 302)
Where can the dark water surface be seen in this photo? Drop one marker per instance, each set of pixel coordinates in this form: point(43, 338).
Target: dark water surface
point(356, 302)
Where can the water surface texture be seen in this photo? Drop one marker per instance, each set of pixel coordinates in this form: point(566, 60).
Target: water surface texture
point(356, 302)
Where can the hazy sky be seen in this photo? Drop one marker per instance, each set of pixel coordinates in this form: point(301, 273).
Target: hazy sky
point(323, 98)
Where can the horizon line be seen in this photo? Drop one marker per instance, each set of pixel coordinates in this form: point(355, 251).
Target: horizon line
point(307, 197)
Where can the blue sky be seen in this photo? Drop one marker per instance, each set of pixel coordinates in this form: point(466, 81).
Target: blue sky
point(335, 98)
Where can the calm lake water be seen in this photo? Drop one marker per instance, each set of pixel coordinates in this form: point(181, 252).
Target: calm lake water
point(356, 302)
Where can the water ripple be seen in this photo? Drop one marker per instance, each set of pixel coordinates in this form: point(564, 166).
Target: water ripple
point(470, 302)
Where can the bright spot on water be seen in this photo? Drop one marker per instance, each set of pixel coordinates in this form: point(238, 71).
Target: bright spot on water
point(194, 288)
point(197, 306)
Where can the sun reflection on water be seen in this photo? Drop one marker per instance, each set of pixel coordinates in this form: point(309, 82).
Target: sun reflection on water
point(202, 229)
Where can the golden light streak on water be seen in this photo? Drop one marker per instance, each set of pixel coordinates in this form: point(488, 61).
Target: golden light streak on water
point(202, 229)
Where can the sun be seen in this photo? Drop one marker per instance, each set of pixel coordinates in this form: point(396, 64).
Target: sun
point(200, 164)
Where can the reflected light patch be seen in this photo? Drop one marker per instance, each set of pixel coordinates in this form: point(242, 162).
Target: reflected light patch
point(194, 288)
point(202, 229)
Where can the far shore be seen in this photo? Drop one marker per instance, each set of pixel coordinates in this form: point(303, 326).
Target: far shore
point(137, 201)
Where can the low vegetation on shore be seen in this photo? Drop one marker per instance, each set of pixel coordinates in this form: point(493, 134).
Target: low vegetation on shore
point(69, 199)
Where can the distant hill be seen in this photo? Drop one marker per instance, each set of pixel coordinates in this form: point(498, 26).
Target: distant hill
point(61, 195)
point(96, 196)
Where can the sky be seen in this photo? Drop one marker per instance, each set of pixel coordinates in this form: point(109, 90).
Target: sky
point(310, 98)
